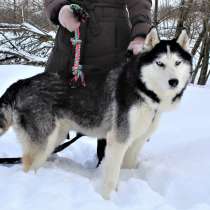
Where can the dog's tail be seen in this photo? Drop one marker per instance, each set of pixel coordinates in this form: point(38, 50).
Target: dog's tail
point(7, 101)
point(5, 118)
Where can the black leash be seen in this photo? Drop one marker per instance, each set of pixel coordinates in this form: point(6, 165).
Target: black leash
point(57, 149)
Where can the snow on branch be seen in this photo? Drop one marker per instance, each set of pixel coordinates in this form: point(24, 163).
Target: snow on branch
point(29, 59)
point(26, 43)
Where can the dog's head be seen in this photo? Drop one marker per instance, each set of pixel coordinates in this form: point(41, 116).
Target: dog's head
point(165, 68)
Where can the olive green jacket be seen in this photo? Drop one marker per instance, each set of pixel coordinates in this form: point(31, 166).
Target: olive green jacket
point(111, 26)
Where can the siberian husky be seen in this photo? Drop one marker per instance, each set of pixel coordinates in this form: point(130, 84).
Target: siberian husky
point(122, 105)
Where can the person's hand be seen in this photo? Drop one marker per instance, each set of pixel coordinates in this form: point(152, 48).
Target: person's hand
point(136, 45)
point(67, 19)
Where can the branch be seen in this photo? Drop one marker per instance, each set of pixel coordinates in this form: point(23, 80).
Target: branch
point(183, 15)
point(25, 56)
point(199, 40)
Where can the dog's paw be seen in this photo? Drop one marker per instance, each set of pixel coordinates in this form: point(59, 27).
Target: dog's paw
point(105, 193)
point(107, 190)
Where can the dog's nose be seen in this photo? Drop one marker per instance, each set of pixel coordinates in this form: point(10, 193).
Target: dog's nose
point(173, 82)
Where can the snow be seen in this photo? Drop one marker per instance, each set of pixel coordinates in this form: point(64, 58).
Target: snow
point(208, 82)
point(10, 26)
point(32, 28)
point(23, 54)
point(173, 173)
point(27, 26)
point(27, 37)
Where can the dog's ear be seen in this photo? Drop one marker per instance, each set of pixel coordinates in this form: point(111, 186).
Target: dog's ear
point(152, 39)
point(183, 40)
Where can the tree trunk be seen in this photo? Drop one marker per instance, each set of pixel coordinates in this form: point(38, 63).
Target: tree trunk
point(155, 18)
point(14, 10)
point(184, 11)
point(199, 39)
point(204, 70)
point(199, 62)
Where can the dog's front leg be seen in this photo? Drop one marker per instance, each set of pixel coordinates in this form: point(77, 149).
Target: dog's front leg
point(115, 152)
point(131, 156)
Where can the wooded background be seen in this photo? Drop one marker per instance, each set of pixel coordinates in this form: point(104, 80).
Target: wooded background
point(27, 36)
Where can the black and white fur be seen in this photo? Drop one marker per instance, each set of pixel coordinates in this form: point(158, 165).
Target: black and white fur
point(122, 105)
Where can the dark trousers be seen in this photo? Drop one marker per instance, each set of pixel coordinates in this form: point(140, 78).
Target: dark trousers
point(101, 146)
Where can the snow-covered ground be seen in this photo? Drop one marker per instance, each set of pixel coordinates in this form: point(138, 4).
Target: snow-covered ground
point(174, 171)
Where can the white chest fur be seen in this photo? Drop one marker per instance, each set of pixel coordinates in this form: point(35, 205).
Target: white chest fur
point(141, 119)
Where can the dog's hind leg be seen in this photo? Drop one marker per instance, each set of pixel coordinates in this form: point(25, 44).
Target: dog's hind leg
point(29, 154)
point(27, 161)
point(112, 163)
point(46, 150)
point(36, 153)
point(29, 147)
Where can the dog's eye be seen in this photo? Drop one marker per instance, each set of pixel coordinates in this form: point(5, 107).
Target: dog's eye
point(160, 64)
point(177, 63)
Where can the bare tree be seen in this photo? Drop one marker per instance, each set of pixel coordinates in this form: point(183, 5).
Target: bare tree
point(184, 12)
point(206, 56)
point(155, 17)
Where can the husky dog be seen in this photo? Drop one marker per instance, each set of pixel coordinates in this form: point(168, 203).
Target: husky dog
point(122, 105)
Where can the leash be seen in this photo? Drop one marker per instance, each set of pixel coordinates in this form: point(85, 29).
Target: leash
point(77, 72)
point(18, 160)
point(77, 68)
